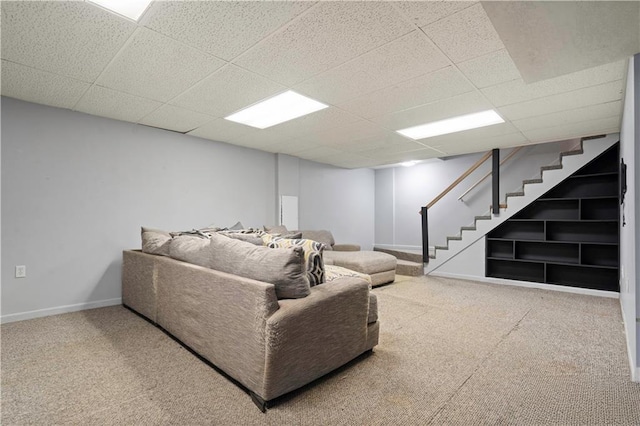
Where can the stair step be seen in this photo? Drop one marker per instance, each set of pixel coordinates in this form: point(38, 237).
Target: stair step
point(408, 255)
point(456, 238)
point(432, 256)
point(442, 248)
point(515, 194)
point(528, 181)
point(568, 153)
point(482, 218)
point(468, 228)
point(412, 269)
point(553, 167)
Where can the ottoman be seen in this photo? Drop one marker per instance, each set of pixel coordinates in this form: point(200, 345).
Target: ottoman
point(381, 267)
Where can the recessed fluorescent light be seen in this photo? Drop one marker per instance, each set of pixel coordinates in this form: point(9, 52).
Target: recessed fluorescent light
point(130, 8)
point(452, 125)
point(409, 163)
point(278, 109)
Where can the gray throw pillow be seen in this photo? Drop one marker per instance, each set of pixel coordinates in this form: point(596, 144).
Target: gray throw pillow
point(284, 268)
point(237, 226)
point(155, 241)
point(191, 249)
point(250, 238)
point(276, 229)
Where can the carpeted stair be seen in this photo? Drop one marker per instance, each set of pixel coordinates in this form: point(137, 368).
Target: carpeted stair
point(409, 262)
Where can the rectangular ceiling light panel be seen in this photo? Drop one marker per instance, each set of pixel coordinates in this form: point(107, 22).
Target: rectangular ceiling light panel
point(132, 9)
point(278, 109)
point(452, 125)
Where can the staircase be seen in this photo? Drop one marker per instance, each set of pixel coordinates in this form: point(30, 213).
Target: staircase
point(532, 189)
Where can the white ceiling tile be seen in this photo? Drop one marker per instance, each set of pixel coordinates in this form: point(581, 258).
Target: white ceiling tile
point(227, 91)
point(465, 35)
point(32, 85)
point(468, 136)
point(574, 130)
point(407, 57)
point(71, 38)
point(592, 112)
point(318, 152)
point(389, 150)
point(486, 144)
point(318, 121)
point(490, 69)
point(112, 104)
point(421, 154)
point(466, 103)
point(422, 13)
point(440, 84)
point(222, 28)
point(552, 38)
point(518, 91)
point(157, 67)
point(328, 35)
point(292, 147)
point(351, 162)
point(177, 119)
point(602, 93)
point(221, 130)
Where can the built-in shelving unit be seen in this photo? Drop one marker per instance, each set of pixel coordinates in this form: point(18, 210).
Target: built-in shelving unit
point(569, 236)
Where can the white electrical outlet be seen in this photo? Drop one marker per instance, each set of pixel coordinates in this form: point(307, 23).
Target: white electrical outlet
point(21, 271)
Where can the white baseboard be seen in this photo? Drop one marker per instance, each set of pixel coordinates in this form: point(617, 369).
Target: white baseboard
point(564, 289)
point(59, 310)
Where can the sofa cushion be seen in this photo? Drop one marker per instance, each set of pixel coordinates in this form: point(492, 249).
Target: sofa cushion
point(321, 236)
point(276, 229)
point(252, 238)
point(367, 262)
point(312, 255)
point(333, 272)
point(282, 267)
point(155, 241)
point(190, 248)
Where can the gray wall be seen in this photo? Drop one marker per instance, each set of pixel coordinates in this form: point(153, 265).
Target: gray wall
point(76, 189)
point(401, 191)
point(629, 238)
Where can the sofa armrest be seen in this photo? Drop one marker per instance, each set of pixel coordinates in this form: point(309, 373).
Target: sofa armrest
point(309, 337)
point(346, 247)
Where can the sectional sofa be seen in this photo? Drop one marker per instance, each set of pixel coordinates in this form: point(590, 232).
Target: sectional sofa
point(270, 338)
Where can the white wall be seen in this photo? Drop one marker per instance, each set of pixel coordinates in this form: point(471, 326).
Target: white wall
point(76, 189)
point(340, 200)
point(629, 241)
point(401, 191)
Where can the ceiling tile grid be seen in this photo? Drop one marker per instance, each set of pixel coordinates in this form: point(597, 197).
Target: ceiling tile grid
point(380, 66)
point(157, 67)
point(74, 39)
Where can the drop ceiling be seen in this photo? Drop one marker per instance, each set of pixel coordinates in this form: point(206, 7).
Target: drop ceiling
point(552, 70)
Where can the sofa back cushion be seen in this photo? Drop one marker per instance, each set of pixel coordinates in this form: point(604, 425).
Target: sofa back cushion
point(155, 241)
point(191, 249)
point(282, 267)
point(322, 236)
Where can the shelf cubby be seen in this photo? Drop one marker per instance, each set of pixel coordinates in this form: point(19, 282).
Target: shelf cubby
point(569, 236)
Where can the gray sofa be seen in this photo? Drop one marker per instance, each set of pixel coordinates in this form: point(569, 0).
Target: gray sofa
point(270, 346)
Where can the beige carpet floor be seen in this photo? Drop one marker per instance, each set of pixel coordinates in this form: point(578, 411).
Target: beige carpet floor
point(450, 352)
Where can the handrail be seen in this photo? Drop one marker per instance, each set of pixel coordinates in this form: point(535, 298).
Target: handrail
point(471, 169)
point(507, 158)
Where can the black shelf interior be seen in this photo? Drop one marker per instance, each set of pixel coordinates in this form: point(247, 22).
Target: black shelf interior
point(569, 236)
